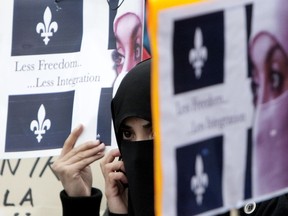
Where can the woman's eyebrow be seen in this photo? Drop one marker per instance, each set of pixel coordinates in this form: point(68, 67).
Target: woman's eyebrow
point(148, 125)
point(124, 126)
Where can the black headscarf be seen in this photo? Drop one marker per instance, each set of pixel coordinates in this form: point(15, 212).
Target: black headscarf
point(133, 99)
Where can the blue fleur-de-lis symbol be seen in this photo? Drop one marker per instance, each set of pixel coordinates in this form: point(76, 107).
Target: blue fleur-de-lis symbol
point(199, 181)
point(47, 28)
point(40, 125)
point(199, 54)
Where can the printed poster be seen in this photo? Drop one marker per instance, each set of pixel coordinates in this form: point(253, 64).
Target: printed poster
point(219, 83)
point(61, 63)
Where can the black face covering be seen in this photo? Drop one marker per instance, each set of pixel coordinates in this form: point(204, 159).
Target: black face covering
point(133, 99)
point(138, 160)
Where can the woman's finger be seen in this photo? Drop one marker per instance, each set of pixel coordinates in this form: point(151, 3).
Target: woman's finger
point(110, 156)
point(84, 154)
point(71, 140)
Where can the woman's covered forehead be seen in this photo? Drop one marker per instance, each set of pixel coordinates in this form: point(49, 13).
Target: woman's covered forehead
point(271, 16)
point(133, 97)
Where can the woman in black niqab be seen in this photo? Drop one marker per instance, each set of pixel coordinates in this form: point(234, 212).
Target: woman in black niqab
point(133, 99)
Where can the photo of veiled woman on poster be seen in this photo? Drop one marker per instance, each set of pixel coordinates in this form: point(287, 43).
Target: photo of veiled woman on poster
point(125, 41)
point(268, 51)
point(128, 27)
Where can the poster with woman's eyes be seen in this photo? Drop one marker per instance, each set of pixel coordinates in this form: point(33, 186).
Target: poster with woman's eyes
point(219, 73)
point(60, 61)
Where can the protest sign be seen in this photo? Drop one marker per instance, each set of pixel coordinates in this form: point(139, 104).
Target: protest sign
point(219, 71)
point(29, 187)
point(59, 62)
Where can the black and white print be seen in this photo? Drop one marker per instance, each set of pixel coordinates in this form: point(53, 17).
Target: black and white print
point(39, 121)
point(198, 52)
point(47, 27)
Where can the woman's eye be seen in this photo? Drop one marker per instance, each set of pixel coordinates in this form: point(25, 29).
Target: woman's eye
point(127, 134)
point(276, 76)
point(118, 58)
point(278, 68)
point(254, 84)
point(276, 80)
point(137, 52)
